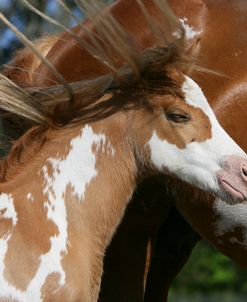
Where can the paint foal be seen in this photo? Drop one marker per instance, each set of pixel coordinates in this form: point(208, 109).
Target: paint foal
point(155, 120)
point(224, 93)
point(197, 23)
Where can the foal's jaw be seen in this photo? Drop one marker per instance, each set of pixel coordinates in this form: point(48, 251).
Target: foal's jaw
point(212, 162)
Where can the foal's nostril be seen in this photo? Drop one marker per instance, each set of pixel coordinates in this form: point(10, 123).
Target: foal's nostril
point(244, 170)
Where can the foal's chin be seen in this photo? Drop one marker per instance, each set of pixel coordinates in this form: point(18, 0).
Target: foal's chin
point(230, 194)
point(232, 189)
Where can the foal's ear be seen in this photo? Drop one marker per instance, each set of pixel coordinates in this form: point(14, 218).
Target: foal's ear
point(17, 70)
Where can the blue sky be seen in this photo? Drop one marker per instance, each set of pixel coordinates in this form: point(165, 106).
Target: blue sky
point(8, 42)
point(5, 5)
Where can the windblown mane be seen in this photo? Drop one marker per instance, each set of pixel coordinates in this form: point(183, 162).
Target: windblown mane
point(144, 74)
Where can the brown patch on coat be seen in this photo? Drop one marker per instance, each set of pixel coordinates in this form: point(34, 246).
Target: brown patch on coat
point(30, 238)
point(6, 225)
point(51, 285)
point(198, 129)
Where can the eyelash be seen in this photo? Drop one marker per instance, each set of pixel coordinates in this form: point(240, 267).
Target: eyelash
point(178, 117)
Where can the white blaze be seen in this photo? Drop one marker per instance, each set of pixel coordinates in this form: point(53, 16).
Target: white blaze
point(197, 163)
point(221, 144)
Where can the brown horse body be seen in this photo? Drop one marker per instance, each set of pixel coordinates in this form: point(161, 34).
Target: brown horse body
point(226, 94)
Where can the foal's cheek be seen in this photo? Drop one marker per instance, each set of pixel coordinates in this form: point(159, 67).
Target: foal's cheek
point(183, 134)
point(190, 133)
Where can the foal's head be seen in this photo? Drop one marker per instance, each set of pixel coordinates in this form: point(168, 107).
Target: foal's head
point(181, 136)
point(175, 131)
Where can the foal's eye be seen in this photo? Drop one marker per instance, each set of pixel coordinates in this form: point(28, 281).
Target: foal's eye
point(178, 116)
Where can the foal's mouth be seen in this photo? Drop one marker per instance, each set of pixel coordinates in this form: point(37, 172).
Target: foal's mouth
point(232, 190)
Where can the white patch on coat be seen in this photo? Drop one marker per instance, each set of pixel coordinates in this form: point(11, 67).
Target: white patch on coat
point(6, 289)
point(8, 212)
point(30, 197)
point(190, 32)
point(185, 163)
point(230, 217)
point(7, 208)
point(197, 163)
point(76, 170)
point(110, 149)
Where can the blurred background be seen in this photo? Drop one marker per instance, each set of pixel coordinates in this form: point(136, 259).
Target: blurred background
point(208, 276)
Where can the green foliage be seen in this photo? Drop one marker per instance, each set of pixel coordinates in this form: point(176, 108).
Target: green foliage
point(208, 271)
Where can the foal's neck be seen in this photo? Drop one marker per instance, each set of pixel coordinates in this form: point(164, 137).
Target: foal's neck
point(75, 193)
